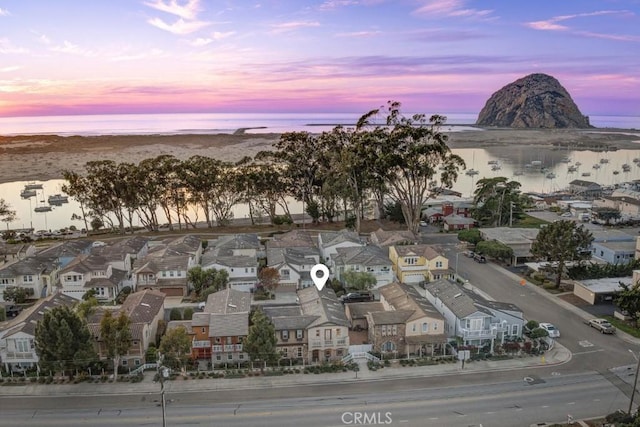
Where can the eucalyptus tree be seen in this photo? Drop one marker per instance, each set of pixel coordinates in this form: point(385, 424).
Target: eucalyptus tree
point(411, 151)
point(561, 242)
point(225, 191)
point(76, 187)
point(199, 173)
point(165, 168)
point(6, 213)
point(495, 199)
point(264, 187)
point(105, 190)
point(149, 193)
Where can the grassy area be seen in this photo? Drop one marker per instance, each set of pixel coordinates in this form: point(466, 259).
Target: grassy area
point(623, 326)
point(530, 222)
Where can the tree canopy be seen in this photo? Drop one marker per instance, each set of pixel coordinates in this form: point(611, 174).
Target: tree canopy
point(115, 333)
point(175, 347)
point(6, 213)
point(497, 201)
point(63, 341)
point(561, 242)
point(628, 299)
point(359, 280)
point(260, 344)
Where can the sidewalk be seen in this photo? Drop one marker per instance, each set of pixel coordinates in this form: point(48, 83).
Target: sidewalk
point(556, 356)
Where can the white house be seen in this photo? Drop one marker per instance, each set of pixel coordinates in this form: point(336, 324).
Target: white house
point(17, 336)
point(368, 259)
point(37, 274)
point(238, 256)
point(473, 319)
point(92, 272)
point(294, 266)
point(330, 241)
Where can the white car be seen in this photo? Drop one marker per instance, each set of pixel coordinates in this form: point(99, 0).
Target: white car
point(551, 330)
point(567, 215)
point(423, 224)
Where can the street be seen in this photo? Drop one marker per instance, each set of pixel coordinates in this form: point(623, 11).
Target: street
point(512, 403)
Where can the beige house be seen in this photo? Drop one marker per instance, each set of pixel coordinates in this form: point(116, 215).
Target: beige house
point(292, 334)
point(418, 263)
point(328, 334)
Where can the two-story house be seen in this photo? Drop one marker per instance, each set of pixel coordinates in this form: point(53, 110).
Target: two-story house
point(13, 252)
point(122, 253)
point(145, 310)
point(364, 259)
point(166, 273)
point(328, 334)
point(17, 336)
point(88, 272)
point(408, 325)
point(473, 319)
point(37, 274)
point(238, 256)
point(384, 239)
point(184, 245)
point(418, 263)
point(67, 251)
point(294, 266)
point(330, 241)
point(291, 331)
point(220, 329)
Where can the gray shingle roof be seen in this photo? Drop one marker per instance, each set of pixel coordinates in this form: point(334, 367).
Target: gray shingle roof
point(332, 238)
point(236, 324)
point(29, 266)
point(381, 237)
point(368, 256)
point(292, 239)
point(425, 251)
point(27, 320)
point(393, 317)
point(405, 297)
point(288, 317)
point(69, 248)
point(228, 301)
point(456, 298)
point(143, 306)
point(323, 304)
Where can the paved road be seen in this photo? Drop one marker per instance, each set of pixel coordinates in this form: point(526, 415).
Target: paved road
point(498, 403)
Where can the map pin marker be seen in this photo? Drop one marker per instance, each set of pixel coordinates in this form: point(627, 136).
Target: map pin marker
point(319, 275)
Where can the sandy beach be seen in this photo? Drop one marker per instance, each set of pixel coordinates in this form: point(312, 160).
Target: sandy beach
point(43, 157)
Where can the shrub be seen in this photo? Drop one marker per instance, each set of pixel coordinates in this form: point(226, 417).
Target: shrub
point(175, 314)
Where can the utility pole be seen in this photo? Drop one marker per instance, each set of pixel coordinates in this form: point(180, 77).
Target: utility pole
point(635, 385)
point(511, 215)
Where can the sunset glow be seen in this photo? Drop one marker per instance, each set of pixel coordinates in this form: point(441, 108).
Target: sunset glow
point(170, 56)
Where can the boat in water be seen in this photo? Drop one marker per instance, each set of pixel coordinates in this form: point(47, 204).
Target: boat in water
point(551, 175)
point(27, 194)
point(33, 186)
point(616, 172)
point(471, 172)
point(626, 167)
point(43, 209)
point(496, 167)
point(566, 160)
point(604, 161)
point(518, 173)
point(57, 199)
point(578, 163)
point(596, 166)
point(586, 173)
point(572, 169)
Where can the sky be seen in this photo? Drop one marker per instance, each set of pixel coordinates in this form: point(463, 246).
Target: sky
point(69, 57)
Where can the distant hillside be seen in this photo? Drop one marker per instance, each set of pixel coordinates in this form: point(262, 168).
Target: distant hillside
point(534, 101)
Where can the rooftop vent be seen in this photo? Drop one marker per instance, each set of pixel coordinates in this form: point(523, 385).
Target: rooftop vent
point(457, 295)
point(233, 306)
point(145, 304)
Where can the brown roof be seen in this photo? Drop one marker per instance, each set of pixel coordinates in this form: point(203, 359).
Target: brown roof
point(381, 237)
point(358, 310)
point(404, 297)
point(228, 301)
point(393, 317)
point(143, 306)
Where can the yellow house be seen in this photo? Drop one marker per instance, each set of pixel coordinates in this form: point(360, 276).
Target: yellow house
point(418, 263)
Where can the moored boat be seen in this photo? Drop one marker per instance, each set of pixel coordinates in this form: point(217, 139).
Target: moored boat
point(27, 194)
point(43, 209)
point(33, 186)
point(57, 199)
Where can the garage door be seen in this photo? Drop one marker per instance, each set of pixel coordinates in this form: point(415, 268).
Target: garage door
point(173, 292)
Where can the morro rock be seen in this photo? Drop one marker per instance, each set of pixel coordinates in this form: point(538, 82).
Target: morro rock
point(534, 101)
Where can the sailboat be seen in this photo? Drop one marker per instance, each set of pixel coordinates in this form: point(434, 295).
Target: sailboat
point(471, 172)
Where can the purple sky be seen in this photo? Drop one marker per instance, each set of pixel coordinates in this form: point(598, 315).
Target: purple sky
point(129, 56)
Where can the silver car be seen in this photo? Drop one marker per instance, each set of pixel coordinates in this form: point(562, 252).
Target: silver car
point(551, 330)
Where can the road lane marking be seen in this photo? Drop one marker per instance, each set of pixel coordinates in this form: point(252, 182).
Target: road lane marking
point(571, 403)
point(545, 406)
point(589, 352)
point(596, 400)
point(403, 421)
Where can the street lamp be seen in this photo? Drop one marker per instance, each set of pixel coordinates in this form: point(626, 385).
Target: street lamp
point(163, 373)
point(635, 382)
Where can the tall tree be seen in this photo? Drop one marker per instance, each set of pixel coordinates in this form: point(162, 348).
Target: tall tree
point(495, 199)
point(561, 242)
point(628, 299)
point(261, 341)
point(76, 187)
point(175, 347)
point(63, 341)
point(359, 280)
point(200, 278)
point(269, 278)
point(6, 213)
point(116, 336)
point(412, 150)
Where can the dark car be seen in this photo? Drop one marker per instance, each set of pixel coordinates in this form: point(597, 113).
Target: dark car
point(479, 258)
point(357, 297)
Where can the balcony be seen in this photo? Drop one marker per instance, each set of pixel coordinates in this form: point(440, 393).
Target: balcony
point(217, 349)
point(228, 348)
point(478, 334)
point(316, 344)
point(237, 347)
point(341, 342)
point(200, 344)
point(19, 355)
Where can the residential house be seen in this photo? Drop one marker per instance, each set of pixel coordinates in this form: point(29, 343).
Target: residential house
point(17, 336)
point(614, 252)
point(37, 274)
point(473, 319)
point(330, 241)
point(184, 245)
point(456, 222)
point(629, 207)
point(384, 239)
point(124, 252)
point(67, 251)
point(238, 256)
point(418, 263)
point(167, 274)
point(363, 259)
point(585, 188)
point(14, 252)
point(220, 329)
point(291, 327)
point(145, 310)
point(294, 266)
point(356, 313)
point(409, 324)
point(95, 272)
point(518, 239)
point(328, 334)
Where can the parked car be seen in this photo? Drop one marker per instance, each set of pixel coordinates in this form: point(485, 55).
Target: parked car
point(566, 215)
point(357, 297)
point(602, 325)
point(469, 254)
point(479, 258)
point(423, 224)
point(551, 330)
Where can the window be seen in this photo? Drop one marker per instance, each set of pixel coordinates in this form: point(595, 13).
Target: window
point(217, 340)
point(230, 356)
point(27, 278)
point(164, 274)
point(383, 330)
point(339, 352)
point(125, 362)
point(285, 335)
point(435, 326)
point(135, 342)
point(171, 273)
point(6, 281)
point(514, 330)
point(438, 264)
point(136, 362)
point(228, 341)
point(22, 345)
point(425, 327)
point(388, 346)
point(317, 333)
point(394, 330)
point(246, 270)
point(411, 261)
point(204, 330)
point(241, 356)
point(285, 273)
point(327, 334)
point(299, 351)
point(218, 357)
point(299, 334)
point(414, 327)
point(338, 332)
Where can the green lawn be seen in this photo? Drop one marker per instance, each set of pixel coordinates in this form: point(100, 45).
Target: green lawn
point(529, 222)
point(623, 326)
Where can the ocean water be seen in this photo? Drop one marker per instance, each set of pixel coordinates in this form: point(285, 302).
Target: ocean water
point(145, 124)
